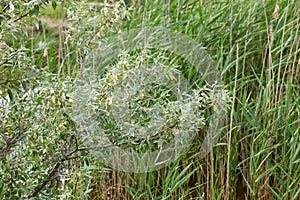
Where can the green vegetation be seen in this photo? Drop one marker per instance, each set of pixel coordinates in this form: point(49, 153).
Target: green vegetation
point(256, 45)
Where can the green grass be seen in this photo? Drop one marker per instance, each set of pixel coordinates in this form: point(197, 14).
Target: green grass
point(257, 156)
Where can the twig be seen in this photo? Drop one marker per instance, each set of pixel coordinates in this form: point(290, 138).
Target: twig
point(19, 18)
point(8, 59)
point(5, 8)
point(13, 80)
point(89, 148)
point(71, 158)
point(9, 143)
point(96, 147)
point(99, 4)
point(4, 138)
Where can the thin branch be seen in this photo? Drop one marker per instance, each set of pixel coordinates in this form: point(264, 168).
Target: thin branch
point(46, 181)
point(96, 147)
point(19, 18)
point(8, 59)
point(71, 158)
point(4, 138)
point(90, 148)
point(5, 8)
point(11, 142)
point(96, 4)
point(13, 80)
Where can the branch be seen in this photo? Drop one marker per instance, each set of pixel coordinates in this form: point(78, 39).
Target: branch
point(19, 18)
point(96, 147)
point(4, 138)
point(70, 156)
point(11, 142)
point(5, 8)
point(13, 80)
point(96, 4)
point(8, 59)
point(46, 181)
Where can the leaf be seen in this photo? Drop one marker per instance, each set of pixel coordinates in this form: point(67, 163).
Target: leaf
point(11, 7)
point(3, 26)
point(54, 5)
point(24, 85)
point(10, 94)
point(35, 11)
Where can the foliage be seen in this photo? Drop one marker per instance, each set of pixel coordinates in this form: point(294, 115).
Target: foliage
point(34, 128)
point(155, 103)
